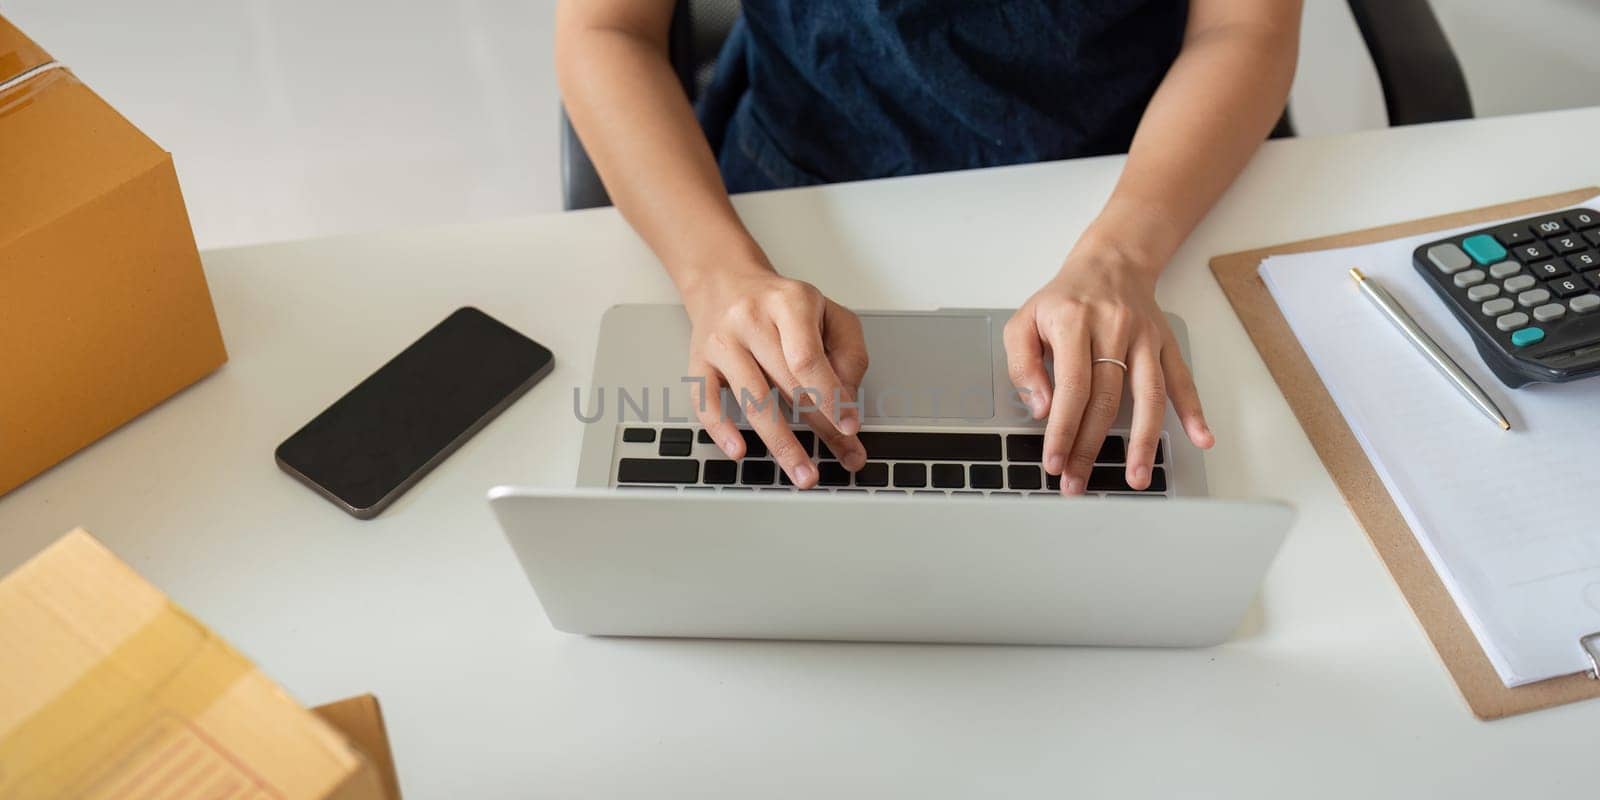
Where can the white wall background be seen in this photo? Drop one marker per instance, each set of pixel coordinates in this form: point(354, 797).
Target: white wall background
point(296, 118)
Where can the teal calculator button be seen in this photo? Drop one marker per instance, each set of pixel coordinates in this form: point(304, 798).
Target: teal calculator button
point(1527, 336)
point(1483, 248)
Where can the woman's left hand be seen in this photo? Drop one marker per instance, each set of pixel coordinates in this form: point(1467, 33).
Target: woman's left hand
point(1100, 305)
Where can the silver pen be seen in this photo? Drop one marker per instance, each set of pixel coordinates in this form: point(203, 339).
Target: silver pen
point(1436, 355)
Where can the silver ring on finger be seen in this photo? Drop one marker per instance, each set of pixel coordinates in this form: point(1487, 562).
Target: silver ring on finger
point(1117, 361)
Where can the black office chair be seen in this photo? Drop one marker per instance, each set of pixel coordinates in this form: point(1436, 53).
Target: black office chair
point(1418, 71)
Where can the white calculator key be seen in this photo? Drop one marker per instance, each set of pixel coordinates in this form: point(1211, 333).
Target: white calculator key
point(1533, 297)
point(1549, 312)
point(1521, 283)
point(1511, 322)
point(1504, 269)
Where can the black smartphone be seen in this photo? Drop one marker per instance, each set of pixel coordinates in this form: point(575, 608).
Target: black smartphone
point(378, 440)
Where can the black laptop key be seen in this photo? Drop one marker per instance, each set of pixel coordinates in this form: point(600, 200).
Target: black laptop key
point(1027, 447)
point(721, 470)
point(987, 476)
point(1159, 455)
point(807, 441)
point(832, 473)
point(874, 473)
point(1113, 479)
point(1108, 479)
point(753, 446)
point(758, 473)
point(1112, 451)
point(910, 475)
point(911, 446)
point(658, 470)
point(949, 476)
point(676, 441)
point(703, 437)
point(1023, 476)
point(1052, 482)
point(638, 434)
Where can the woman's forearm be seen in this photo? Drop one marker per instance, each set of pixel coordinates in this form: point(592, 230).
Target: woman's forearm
point(752, 331)
point(639, 129)
point(1216, 105)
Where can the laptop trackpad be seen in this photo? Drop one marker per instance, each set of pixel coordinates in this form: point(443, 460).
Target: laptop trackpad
point(930, 366)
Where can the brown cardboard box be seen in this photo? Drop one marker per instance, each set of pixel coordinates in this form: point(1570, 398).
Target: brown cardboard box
point(360, 719)
point(109, 690)
point(104, 310)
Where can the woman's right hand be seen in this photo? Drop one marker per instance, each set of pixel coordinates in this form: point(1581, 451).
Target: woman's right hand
point(756, 332)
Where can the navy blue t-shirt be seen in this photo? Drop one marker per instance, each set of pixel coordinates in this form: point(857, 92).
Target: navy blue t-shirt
point(816, 91)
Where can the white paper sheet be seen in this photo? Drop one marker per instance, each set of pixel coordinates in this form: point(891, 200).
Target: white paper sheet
point(1510, 520)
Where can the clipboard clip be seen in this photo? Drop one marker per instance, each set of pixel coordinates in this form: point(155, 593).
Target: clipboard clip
point(1591, 646)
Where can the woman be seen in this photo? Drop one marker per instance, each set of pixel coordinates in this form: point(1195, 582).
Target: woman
point(812, 91)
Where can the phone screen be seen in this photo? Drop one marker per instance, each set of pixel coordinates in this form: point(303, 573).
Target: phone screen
point(386, 433)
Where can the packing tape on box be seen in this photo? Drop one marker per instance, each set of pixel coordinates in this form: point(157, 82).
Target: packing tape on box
point(122, 713)
point(28, 74)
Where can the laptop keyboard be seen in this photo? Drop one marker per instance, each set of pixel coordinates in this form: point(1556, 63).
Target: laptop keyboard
point(930, 462)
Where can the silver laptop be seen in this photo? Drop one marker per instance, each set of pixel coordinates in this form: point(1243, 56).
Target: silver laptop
point(952, 533)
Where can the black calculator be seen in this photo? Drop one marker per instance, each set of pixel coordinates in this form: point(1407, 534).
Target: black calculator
point(1529, 291)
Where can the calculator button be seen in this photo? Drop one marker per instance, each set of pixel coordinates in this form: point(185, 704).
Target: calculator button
point(1549, 312)
point(1482, 292)
point(1594, 278)
point(1514, 235)
point(1568, 287)
point(1521, 283)
point(1495, 308)
point(1592, 237)
point(1584, 304)
point(1504, 269)
point(1583, 219)
point(1471, 277)
point(1587, 259)
point(1448, 258)
point(1545, 270)
point(1531, 252)
point(1533, 297)
point(1511, 322)
point(1485, 250)
point(1527, 336)
point(1549, 226)
point(1571, 243)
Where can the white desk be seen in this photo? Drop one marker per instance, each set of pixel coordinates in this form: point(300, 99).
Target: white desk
point(1329, 690)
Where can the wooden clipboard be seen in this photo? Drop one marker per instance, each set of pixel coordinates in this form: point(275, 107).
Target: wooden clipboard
point(1363, 490)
